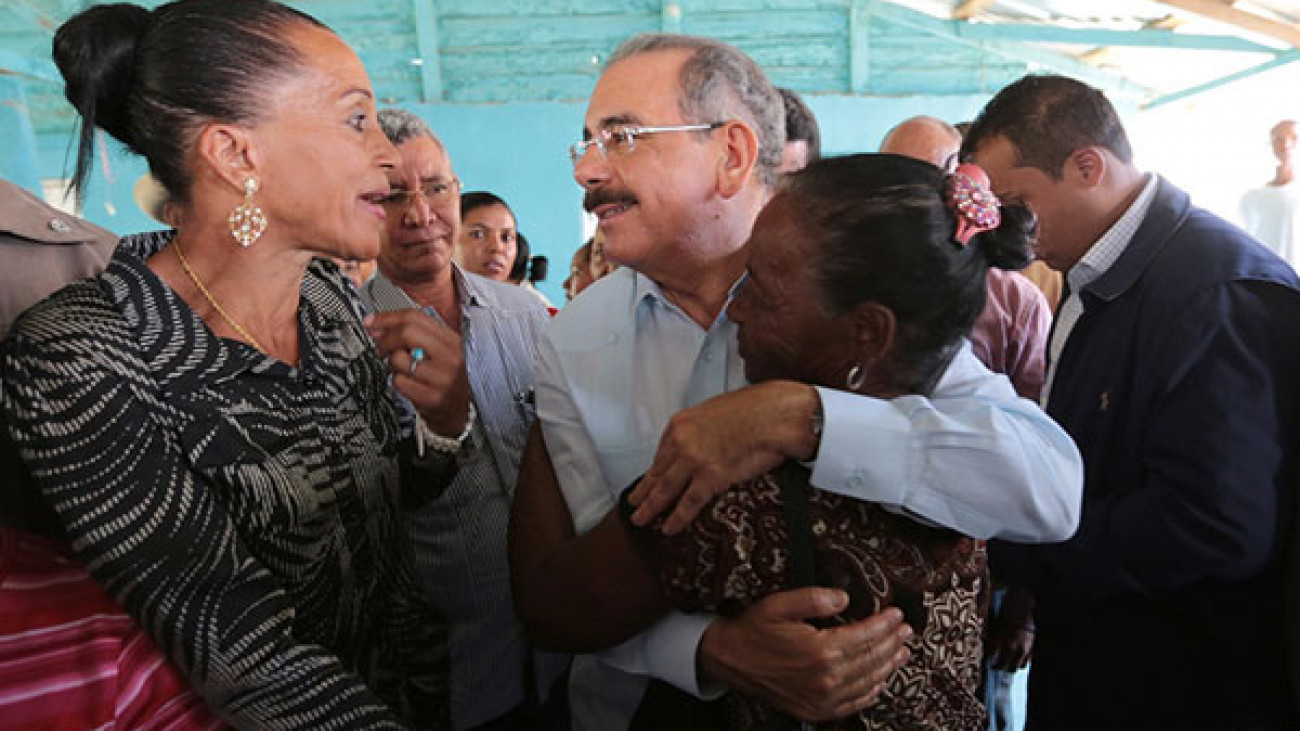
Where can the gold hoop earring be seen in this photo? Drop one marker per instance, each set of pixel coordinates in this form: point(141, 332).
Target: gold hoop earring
point(247, 221)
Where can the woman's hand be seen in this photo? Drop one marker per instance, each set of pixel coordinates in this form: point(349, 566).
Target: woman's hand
point(437, 384)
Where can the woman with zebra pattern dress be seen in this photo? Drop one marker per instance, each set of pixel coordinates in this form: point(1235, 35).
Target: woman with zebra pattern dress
point(212, 423)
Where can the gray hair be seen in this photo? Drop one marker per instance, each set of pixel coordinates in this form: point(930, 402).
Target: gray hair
point(716, 78)
point(400, 125)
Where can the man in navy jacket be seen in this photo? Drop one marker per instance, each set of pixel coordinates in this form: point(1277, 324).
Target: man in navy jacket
point(1174, 363)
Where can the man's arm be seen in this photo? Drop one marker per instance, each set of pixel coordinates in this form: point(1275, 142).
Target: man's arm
point(573, 593)
point(770, 649)
point(590, 592)
point(666, 650)
point(973, 457)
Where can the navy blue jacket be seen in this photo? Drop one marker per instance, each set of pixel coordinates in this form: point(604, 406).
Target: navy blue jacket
point(1180, 384)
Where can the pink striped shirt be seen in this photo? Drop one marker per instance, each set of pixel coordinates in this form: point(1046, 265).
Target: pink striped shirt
point(71, 659)
point(1010, 335)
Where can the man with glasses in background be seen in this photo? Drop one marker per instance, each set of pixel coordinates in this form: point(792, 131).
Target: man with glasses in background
point(683, 141)
point(498, 681)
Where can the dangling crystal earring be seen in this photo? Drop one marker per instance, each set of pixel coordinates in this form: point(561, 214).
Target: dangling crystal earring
point(247, 221)
point(857, 374)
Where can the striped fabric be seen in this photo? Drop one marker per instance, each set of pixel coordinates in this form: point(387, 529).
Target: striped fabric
point(70, 659)
point(244, 511)
point(460, 539)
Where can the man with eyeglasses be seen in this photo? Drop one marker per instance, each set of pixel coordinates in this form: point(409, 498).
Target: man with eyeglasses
point(498, 681)
point(684, 138)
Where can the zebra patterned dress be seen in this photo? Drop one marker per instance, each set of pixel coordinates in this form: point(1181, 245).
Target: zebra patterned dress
point(244, 511)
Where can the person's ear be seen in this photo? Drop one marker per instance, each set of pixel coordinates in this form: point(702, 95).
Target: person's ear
point(228, 152)
point(1086, 167)
point(875, 332)
point(739, 157)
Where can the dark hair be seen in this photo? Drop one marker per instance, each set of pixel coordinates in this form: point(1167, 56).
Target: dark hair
point(480, 198)
point(523, 252)
point(1046, 118)
point(533, 268)
point(887, 235)
point(151, 78)
point(800, 124)
point(538, 267)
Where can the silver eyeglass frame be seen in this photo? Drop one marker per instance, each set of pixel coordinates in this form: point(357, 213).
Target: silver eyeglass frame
point(610, 137)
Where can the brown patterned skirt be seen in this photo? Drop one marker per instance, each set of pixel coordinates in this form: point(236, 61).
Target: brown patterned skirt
point(753, 539)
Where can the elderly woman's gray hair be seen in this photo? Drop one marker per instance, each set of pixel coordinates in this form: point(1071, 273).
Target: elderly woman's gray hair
point(400, 125)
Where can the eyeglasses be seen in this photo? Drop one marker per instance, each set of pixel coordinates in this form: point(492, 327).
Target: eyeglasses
point(436, 192)
point(618, 141)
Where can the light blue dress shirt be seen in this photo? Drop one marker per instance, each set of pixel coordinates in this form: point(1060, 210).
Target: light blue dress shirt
point(621, 359)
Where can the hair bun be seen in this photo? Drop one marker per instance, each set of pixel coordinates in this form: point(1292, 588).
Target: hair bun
point(1010, 245)
point(95, 53)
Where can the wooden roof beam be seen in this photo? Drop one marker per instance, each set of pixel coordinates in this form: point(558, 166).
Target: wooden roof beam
point(970, 8)
point(1101, 55)
point(426, 40)
point(961, 32)
point(1282, 59)
point(1224, 12)
point(41, 21)
point(13, 63)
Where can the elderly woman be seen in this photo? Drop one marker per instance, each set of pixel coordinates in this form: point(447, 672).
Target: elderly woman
point(579, 272)
point(599, 264)
point(213, 423)
point(864, 274)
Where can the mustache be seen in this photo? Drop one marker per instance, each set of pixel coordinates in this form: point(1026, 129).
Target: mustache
point(595, 198)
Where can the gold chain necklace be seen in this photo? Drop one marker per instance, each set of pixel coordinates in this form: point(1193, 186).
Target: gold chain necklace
point(213, 300)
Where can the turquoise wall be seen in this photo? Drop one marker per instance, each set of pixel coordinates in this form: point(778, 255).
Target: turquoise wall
point(18, 156)
point(520, 152)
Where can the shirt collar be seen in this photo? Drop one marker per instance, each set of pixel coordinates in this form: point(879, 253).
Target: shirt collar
point(645, 289)
point(469, 289)
point(1103, 254)
point(387, 295)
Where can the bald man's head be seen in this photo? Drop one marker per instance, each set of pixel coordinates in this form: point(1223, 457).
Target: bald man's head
point(925, 138)
point(1283, 136)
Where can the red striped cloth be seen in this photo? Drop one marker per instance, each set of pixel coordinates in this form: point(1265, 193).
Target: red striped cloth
point(71, 660)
